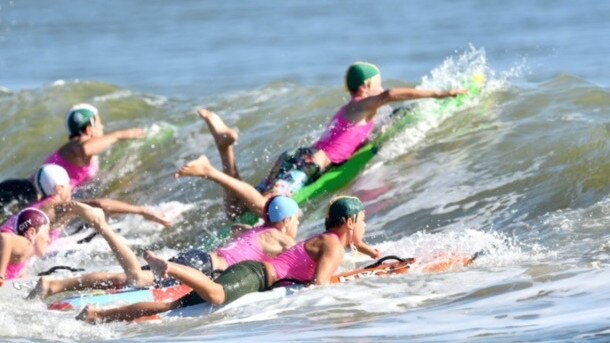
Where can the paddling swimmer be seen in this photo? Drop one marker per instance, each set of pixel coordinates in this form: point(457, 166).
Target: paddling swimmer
point(349, 129)
point(54, 183)
point(78, 156)
point(314, 260)
point(258, 244)
point(30, 238)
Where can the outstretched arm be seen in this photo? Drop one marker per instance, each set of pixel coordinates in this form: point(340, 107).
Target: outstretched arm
point(114, 207)
point(371, 104)
point(368, 250)
point(97, 145)
point(127, 259)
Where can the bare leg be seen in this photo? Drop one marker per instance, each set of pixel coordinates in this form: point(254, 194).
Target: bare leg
point(224, 137)
point(92, 315)
point(206, 288)
point(127, 259)
point(47, 287)
point(133, 276)
point(247, 194)
point(111, 207)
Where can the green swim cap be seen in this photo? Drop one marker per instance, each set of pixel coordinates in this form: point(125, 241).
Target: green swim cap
point(79, 117)
point(341, 209)
point(358, 73)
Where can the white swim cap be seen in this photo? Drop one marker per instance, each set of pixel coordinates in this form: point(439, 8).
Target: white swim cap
point(48, 177)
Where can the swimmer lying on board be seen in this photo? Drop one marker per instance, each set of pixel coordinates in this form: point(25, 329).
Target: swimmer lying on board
point(349, 129)
point(314, 260)
point(54, 183)
point(257, 244)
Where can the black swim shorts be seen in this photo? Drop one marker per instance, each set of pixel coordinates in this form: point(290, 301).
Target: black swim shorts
point(194, 258)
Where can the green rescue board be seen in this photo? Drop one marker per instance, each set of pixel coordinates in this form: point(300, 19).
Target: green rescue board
point(342, 175)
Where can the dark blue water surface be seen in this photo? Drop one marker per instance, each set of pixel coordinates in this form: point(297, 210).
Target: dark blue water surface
point(206, 47)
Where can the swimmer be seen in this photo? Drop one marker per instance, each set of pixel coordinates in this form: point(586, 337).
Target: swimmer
point(257, 244)
point(54, 183)
point(30, 238)
point(314, 260)
point(348, 130)
point(78, 156)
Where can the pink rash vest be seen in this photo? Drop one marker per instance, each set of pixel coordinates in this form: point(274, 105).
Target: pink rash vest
point(245, 248)
point(78, 174)
point(295, 263)
point(342, 138)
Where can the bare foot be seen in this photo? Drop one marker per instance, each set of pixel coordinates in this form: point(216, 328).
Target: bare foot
point(88, 315)
point(92, 215)
point(41, 291)
point(200, 167)
point(223, 135)
point(158, 265)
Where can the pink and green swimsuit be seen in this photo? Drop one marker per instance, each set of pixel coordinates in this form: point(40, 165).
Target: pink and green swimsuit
point(296, 168)
point(251, 276)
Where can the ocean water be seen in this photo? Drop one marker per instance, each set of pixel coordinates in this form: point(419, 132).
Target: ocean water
point(522, 172)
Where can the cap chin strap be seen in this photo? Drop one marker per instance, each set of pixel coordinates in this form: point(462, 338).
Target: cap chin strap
point(352, 247)
point(39, 183)
point(351, 241)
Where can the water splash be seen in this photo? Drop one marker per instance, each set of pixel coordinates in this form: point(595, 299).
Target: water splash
point(454, 73)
